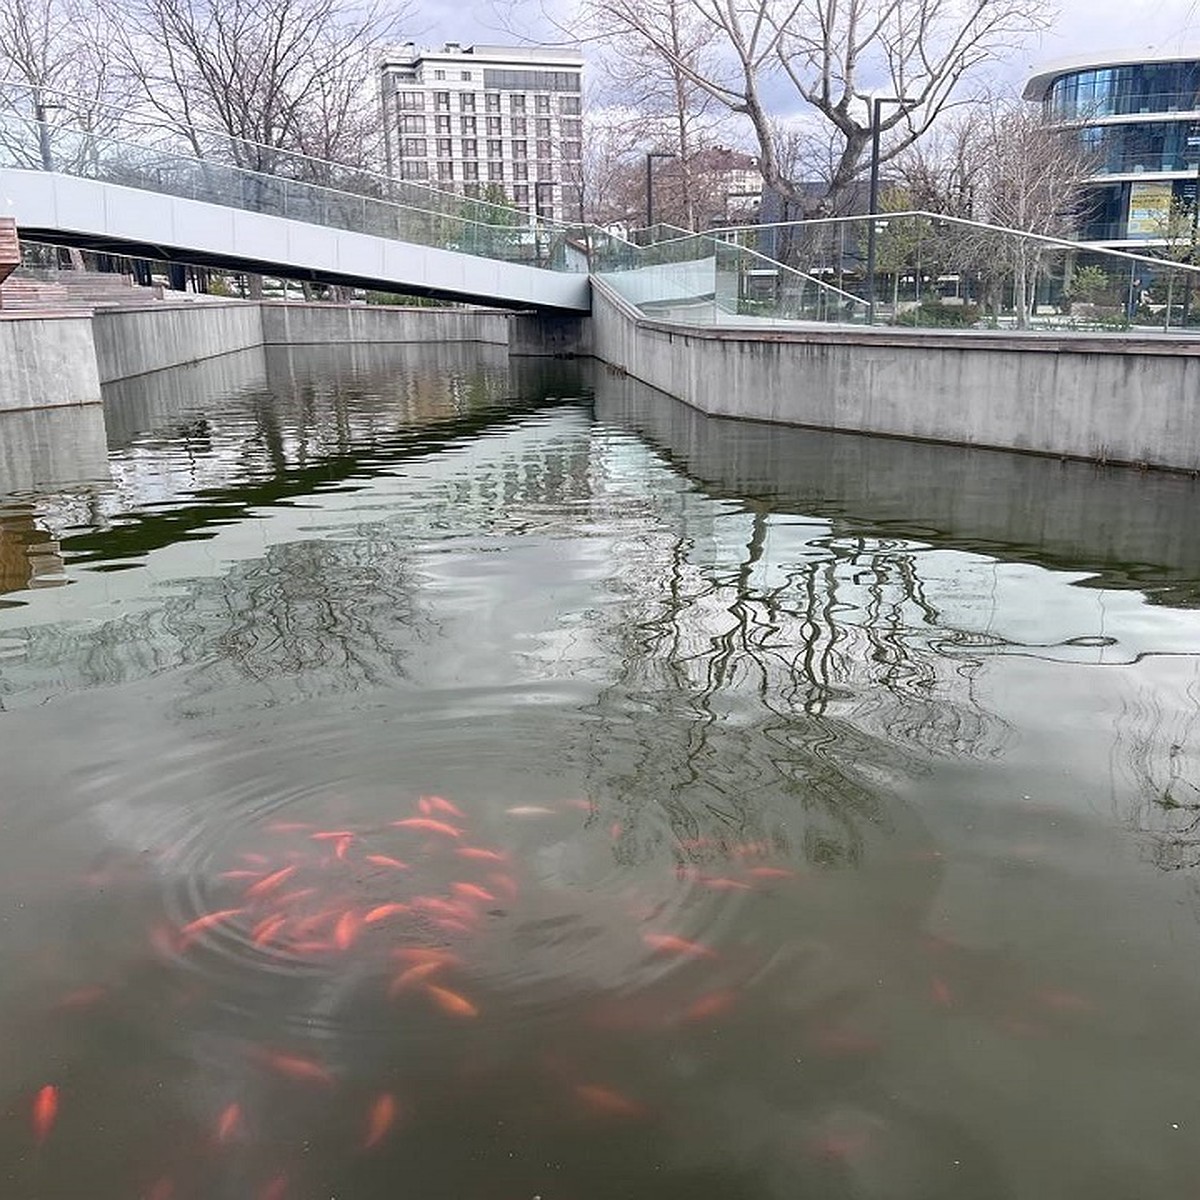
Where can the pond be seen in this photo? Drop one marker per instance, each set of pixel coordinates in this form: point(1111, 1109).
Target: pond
point(427, 773)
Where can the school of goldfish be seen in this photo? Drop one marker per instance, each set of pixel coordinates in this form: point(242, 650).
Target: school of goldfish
point(314, 893)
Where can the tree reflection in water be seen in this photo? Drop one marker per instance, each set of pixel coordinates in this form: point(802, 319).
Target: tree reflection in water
point(769, 665)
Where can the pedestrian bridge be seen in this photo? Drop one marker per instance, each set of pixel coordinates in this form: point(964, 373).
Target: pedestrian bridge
point(138, 194)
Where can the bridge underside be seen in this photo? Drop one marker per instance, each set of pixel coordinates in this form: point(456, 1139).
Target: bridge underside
point(109, 218)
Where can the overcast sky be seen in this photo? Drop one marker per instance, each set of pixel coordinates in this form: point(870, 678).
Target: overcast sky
point(1082, 27)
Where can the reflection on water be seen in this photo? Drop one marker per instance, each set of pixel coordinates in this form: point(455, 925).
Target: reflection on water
point(487, 779)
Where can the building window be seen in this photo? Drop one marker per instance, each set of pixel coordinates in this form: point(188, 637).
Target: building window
point(493, 126)
point(412, 124)
point(414, 170)
point(495, 171)
point(572, 151)
point(530, 81)
point(445, 172)
point(442, 123)
point(542, 125)
point(412, 148)
point(521, 195)
point(570, 129)
point(445, 148)
point(441, 101)
point(439, 74)
point(470, 170)
point(543, 150)
point(491, 102)
point(518, 126)
point(495, 148)
point(465, 77)
point(520, 150)
point(520, 171)
point(544, 172)
point(541, 104)
point(569, 105)
point(516, 103)
point(412, 101)
point(467, 126)
point(466, 101)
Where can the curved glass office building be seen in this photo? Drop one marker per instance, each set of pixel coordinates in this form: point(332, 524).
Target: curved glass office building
point(1139, 117)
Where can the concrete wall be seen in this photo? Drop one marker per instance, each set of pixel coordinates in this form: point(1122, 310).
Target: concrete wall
point(47, 361)
point(1110, 399)
point(323, 324)
point(135, 341)
point(1126, 526)
point(550, 335)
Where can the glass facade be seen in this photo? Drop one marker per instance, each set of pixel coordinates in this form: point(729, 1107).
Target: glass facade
point(1119, 91)
point(1133, 120)
point(1143, 146)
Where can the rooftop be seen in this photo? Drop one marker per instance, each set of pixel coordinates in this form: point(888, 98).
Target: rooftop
point(1039, 83)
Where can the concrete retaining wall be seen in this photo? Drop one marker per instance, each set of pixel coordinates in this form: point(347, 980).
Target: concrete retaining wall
point(47, 361)
point(136, 341)
point(1110, 399)
point(322, 324)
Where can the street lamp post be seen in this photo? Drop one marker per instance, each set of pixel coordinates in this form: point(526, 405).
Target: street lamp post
point(650, 157)
point(877, 104)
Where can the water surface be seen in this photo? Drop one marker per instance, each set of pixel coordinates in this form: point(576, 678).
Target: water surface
point(831, 805)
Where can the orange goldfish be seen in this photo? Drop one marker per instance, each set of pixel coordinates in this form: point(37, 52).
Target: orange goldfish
point(295, 1067)
point(228, 1122)
point(207, 922)
point(420, 954)
point(721, 884)
point(346, 930)
point(429, 826)
point(607, 1101)
point(331, 835)
point(414, 974)
point(472, 892)
point(481, 855)
point(442, 805)
point(383, 1114)
point(451, 1002)
point(714, 1004)
point(668, 943)
point(384, 860)
point(384, 911)
point(274, 1189)
point(270, 882)
point(45, 1112)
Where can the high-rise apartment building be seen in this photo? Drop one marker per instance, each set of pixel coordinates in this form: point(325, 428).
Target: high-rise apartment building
point(461, 118)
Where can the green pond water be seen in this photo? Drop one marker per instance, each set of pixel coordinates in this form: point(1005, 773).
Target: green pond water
point(437, 776)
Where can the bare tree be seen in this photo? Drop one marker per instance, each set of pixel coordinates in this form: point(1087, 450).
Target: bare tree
point(1031, 180)
point(263, 75)
point(57, 74)
point(832, 56)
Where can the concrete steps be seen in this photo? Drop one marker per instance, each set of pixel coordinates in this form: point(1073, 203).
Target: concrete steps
point(31, 291)
point(10, 248)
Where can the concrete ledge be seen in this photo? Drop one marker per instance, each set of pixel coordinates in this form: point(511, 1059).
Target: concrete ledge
point(47, 361)
point(295, 324)
point(137, 341)
point(1132, 400)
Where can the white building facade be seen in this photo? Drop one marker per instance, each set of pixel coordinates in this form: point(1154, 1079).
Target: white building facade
point(477, 119)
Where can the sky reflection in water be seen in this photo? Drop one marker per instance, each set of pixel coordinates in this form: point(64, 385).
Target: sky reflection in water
point(838, 799)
